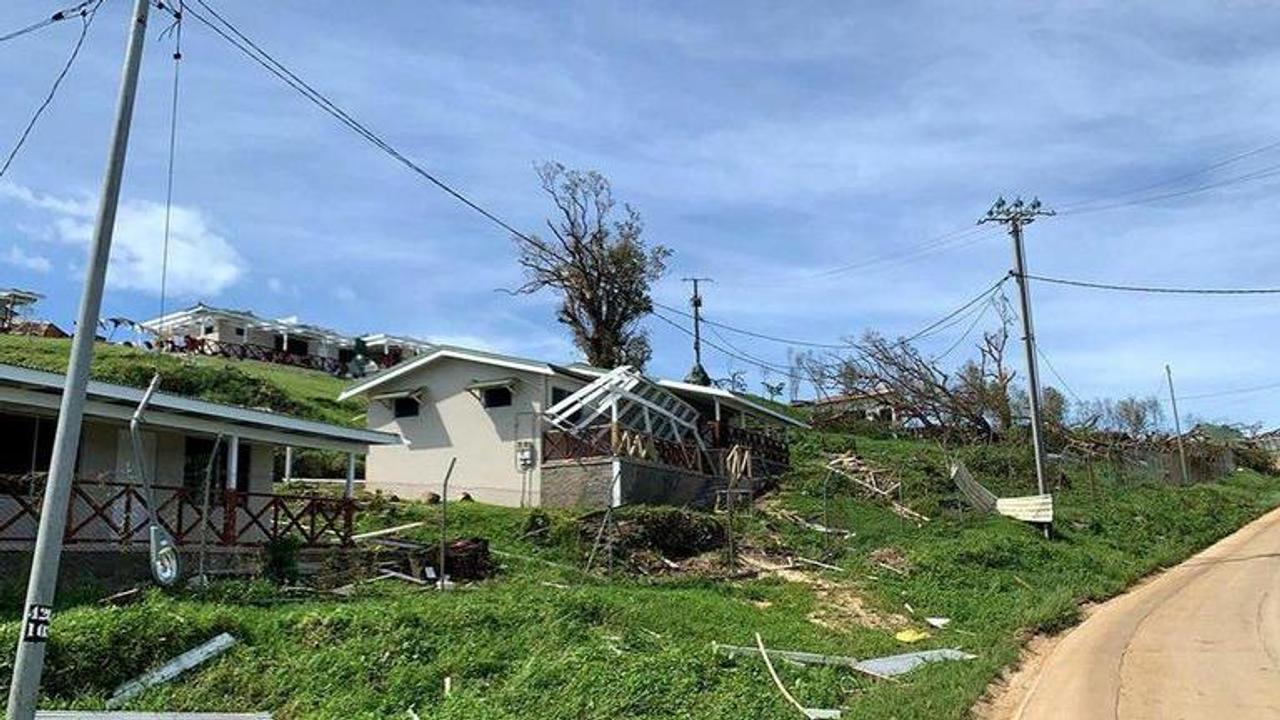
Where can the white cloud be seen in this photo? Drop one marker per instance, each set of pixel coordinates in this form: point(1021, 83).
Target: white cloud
point(279, 287)
point(201, 262)
point(19, 258)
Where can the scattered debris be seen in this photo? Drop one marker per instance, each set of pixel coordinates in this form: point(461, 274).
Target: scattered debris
point(900, 664)
point(816, 527)
point(875, 482)
point(124, 597)
point(910, 635)
point(1029, 508)
point(387, 531)
point(811, 713)
point(171, 669)
point(891, 558)
point(802, 658)
point(817, 563)
point(466, 559)
point(413, 714)
point(938, 622)
point(448, 685)
point(558, 586)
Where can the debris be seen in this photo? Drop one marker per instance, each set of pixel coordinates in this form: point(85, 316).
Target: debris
point(387, 531)
point(909, 608)
point(907, 513)
point(669, 563)
point(171, 669)
point(1029, 508)
point(816, 563)
point(448, 685)
point(900, 664)
point(558, 586)
point(124, 597)
point(802, 658)
point(910, 635)
point(938, 622)
point(1023, 583)
point(891, 558)
point(890, 568)
point(413, 714)
point(875, 482)
point(816, 527)
point(811, 713)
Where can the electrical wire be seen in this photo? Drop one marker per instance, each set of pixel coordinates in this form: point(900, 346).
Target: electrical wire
point(87, 11)
point(977, 318)
point(62, 14)
point(1157, 290)
point(230, 33)
point(1236, 391)
point(1262, 173)
point(1049, 364)
point(173, 141)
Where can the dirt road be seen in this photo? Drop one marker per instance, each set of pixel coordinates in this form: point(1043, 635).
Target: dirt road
point(1199, 641)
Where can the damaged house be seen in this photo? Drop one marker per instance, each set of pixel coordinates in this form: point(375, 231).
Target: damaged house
point(531, 433)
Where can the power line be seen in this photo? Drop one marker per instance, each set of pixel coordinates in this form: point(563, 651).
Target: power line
point(757, 335)
point(1259, 174)
point(1159, 290)
point(978, 315)
point(173, 143)
point(1236, 391)
point(87, 11)
point(1049, 364)
point(65, 13)
point(229, 32)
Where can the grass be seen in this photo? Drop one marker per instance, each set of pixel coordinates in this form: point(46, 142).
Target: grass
point(245, 383)
point(549, 641)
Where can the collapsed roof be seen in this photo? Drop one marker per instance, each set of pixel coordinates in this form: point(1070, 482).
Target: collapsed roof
point(634, 402)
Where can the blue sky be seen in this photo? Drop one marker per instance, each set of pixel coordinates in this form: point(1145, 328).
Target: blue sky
point(765, 143)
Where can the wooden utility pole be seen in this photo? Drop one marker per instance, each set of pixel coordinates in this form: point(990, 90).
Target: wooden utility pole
point(1015, 216)
point(37, 615)
point(1177, 426)
point(697, 374)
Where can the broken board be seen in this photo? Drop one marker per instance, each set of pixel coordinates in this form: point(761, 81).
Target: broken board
point(1029, 508)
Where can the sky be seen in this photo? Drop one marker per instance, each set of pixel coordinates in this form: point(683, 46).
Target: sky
point(825, 163)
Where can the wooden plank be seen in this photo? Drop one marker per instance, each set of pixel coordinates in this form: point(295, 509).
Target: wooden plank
point(387, 531)
point(171, 669)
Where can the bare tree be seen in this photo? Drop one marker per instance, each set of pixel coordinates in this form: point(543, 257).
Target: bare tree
point(1137, 416)
point(600, 267)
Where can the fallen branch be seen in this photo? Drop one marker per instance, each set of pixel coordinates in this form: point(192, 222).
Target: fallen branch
point(817, 563)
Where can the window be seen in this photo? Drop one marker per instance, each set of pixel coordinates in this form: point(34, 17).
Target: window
point(208, 330)
point(558, 395)
point(26, 444)
point(196, 462)
point(239, 332)
point(406, 407)
point(496, 397)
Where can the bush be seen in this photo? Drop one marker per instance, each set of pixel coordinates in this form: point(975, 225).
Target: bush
point(282, 560)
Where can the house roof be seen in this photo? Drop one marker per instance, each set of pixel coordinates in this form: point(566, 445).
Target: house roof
point(577, 370)
point(44, 389)
point(732, 399)
point(16, 296)
point(200, 312)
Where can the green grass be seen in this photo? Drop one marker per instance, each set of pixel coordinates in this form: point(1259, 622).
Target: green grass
point(518, 646)
point(246, 383)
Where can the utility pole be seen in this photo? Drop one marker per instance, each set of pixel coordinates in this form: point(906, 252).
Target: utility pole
point(37, 616)
point(1177, 426)
point(698, 374)
point(1015, 216)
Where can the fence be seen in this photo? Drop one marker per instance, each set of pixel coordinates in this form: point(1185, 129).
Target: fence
point(112, 512)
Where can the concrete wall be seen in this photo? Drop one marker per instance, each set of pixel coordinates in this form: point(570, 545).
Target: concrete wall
point(453, 422)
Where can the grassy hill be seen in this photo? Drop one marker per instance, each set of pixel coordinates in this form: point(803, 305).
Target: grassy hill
point(550, 641)
point(245, 383)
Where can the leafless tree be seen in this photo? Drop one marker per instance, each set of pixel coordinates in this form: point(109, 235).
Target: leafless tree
point(599, 266)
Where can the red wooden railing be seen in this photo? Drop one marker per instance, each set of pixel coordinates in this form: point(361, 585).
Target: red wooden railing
point(264, 353)
point(112, 512)
point(767, 448)
point(599, 441)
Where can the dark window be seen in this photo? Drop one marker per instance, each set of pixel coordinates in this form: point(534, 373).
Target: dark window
point(26, 444)
point(406, 407)
point(208, 329)
point(558, 395)
point(239, 332)
point(497, 397)
point(196, 463)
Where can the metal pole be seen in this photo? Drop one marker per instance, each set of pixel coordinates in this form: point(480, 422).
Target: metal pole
point(444, 518)
point(1177, 426)
point(1029, 341)
point(38, 610)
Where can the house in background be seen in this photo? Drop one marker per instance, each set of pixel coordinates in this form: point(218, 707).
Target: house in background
point(879, 406)
point(490, 411)
point(108, 508)
point(240, 334)
point(15, 304)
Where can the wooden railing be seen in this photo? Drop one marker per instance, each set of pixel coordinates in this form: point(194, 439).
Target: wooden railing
point(115, 512)
point(601, 441)
point(769, 452)
point(249, 351)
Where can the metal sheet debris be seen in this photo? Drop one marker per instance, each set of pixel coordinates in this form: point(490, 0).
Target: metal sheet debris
point(171, 669)
point(900, 664)
point(811, 713)
point(1029, 508)
point(910, 635)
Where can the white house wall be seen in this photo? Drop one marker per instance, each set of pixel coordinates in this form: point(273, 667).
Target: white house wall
point(453, 423)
